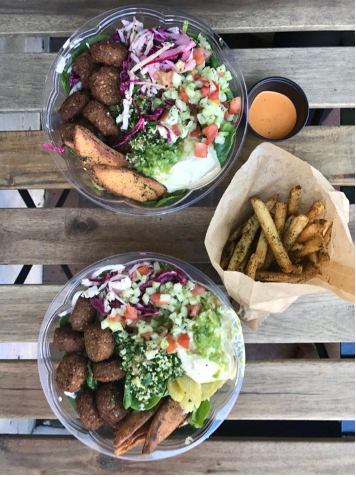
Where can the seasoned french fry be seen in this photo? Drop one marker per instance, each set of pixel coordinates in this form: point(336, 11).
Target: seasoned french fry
point(312, 245)
point(236, 234)
point(316, 209)
point(248, 234)
point(293, 200)
point(269, 259)
point(272, 235)
point(264, 276)
point(315, 260)
point(309, 232)
point(324, 248)
point(241, 267)
point(261, 249)
point(287, 225)
point(226, 254)
point(280, 217)
point(296, 246)
point(252, 266)
point(327, 235)
point(324, 256)
point(296, 227)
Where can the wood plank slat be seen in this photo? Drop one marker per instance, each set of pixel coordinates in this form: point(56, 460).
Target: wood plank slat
point(272, 390)
point(25, 164)
point(26, 306)
point(56, 236)
point(326, 74)
point(43, 18)
point(34, 455)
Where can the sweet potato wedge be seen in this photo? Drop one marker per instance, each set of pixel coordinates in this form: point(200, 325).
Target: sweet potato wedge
point(126, 182)
point(132, 424)
point(93, 151)
point(168, 418)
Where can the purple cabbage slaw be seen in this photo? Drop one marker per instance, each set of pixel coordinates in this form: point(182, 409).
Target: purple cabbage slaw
point(103, 283)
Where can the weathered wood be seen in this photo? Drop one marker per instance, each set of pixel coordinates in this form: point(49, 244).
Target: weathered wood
point(25, 164)
point(62, 18)
point(55, 236)
point(35, 455)
point(290, 389)
point(326, 74)
point(26, 306)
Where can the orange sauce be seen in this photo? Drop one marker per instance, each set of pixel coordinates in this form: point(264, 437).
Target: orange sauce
point(272, 115)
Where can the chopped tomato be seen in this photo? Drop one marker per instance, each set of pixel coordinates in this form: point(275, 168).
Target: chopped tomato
point(131, 312)
point(201, 150)
point(205, 91)
point(204, 80)
point(214, 94)
point(211, 132)
point(194, 310)
point(199, 54)
point(183, 340)
point(172, 346)
point(142, 270)
point(197, 290)
point(164, 116)
point(196, 132)
point(147, 335)
point(226, 114)
point(117, 318)
point(175, 129)
point(156, 298)
point(235, 105)
point(194, 74)
point(183, 95)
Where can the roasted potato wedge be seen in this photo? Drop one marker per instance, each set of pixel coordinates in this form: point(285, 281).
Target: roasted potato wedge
point(93, 151)
point(168, 417)
point(126, 182)
point(134, 440)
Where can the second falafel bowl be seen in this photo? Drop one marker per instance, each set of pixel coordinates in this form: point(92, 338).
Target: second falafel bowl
point(146, 115)
point(139, 354)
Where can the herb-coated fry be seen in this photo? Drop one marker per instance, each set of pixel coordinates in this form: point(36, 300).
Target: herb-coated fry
point(312, 245)
point(293, 200)
point(315, 260)
point(316, 209)
point(287, 225)
point(296, 227)
point(248, 234)
point(226, 254)
point(309, 232)
point(261, 249)
point(252, 266)
point(264, 276)
point(236, 234)
point(241, 267)
point(296, 246)
point(272, 235)
point(324, 256)
point(280, 216)
point(327, 235)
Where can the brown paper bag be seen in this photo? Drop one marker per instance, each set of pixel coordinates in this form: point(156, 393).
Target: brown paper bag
point(271, 170)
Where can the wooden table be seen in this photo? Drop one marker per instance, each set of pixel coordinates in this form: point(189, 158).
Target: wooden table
point(318, 390)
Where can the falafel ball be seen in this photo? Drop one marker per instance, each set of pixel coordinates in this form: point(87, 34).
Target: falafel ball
point(107, 371)
point(84, 67)
point(67, 130)
point(109, 401)
point(99, 344)
point(108, 52)
point(67, 339)
point(87, 410)
point(83, 314)
point(73, 106)
point(72, 371)
point(100, 116)
point(104, 85)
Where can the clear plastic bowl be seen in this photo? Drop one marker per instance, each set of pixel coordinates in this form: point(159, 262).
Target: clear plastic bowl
point(54, 95)
point(102, 440)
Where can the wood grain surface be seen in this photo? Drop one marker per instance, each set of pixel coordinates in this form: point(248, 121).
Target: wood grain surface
point(65, 455)
point(25, 164)
point(326, 74)
point(62, 18)
point(290, 389)
point(26, 306)
point(56, 236)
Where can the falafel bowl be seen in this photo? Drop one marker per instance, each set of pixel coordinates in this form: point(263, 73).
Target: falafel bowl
point(141, 356)
point(144, 111)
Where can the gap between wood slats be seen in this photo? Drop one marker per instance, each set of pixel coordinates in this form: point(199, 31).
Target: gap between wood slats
point(25, 164)
point(325, 73)
point(272, 390)
point(66, 455)
point(56, 236)
point(26, 306)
